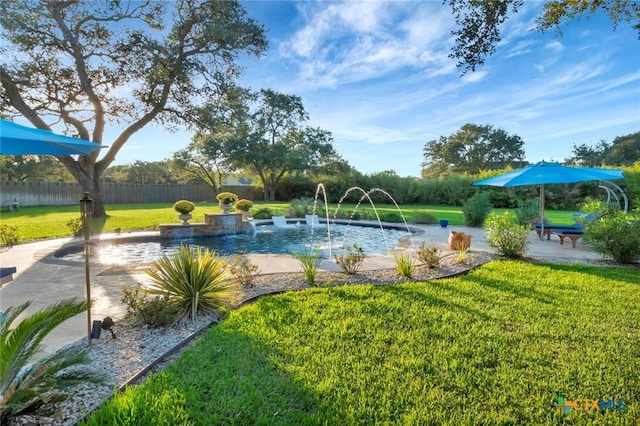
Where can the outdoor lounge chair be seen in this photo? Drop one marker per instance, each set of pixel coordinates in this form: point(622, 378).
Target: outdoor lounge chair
point(573, 232)
point(312, 219)
point(281, 222)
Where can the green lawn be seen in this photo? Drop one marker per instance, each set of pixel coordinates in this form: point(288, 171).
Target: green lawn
point(497, 346)
point(51, 221)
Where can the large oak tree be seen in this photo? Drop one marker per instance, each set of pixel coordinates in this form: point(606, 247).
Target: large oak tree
point(268, 136)
point(478, 23)
point(89, 65)
point(471, 149)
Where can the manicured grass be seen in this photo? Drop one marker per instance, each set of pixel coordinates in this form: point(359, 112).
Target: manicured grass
point(497, 346)
point(51, 221)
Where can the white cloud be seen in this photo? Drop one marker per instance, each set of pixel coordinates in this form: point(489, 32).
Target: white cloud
point(355, 41)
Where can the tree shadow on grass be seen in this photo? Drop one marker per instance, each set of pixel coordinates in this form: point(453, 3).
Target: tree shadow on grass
point(628, 274)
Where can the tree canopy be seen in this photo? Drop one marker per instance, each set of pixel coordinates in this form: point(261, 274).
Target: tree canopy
point(622, 151)
point(478, 23)
point(93, 64)
point(471, 149)
point(269, 137)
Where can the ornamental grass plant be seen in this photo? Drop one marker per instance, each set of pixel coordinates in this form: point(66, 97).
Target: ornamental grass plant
point(193, 280)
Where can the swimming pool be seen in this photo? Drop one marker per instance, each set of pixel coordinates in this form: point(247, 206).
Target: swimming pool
point(266, 239)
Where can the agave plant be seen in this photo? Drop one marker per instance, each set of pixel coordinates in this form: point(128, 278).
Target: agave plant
point(194, 281)
point(29, 379)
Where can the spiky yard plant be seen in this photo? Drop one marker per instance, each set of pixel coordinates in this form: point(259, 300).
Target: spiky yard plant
point(28, 378)
point(195, 280)
point(309, 262)
point(404, 264)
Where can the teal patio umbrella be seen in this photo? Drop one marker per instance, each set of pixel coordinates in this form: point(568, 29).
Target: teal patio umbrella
point(16, 139)
point(545, 173)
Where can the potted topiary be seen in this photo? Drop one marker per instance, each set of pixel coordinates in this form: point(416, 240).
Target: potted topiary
point(184, 209)
point(244, 206)
point(226, 200)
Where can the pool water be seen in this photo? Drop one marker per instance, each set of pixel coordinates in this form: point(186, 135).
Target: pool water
point(266, 239)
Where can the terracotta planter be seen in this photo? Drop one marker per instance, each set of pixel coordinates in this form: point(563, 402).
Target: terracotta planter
point(459, 240)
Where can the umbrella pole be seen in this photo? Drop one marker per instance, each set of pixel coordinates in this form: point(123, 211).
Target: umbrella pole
point(85, 210)
point(542, 212)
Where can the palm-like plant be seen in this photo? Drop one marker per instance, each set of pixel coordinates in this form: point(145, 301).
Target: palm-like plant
point(29, 379)
point(194, 280)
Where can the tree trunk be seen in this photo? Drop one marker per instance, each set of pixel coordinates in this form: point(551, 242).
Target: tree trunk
point(91, 184)
point(87, 173)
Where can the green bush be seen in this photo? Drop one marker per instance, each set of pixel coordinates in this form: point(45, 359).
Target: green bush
point(264, 213)
point(242, 269)
point(508, 238)
point(300, 207)
point(243, 205)
point(424, 218)
point(29, 380)
point(193, 280)
point(75, 225)
point(616, 234)
point(429, 256)
point(184, 206)
point(351, 262)
point(528, 211)
point(476, 209)
point(9, 235)
point(391, 217)
point(227, 197)
point(156, 312)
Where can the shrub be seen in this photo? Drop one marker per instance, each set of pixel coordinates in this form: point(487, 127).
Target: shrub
point(243, 205)
point(616, 234)
point(227, 197)
point(508, 238)
point(156, 312)
point(309, 261)
point(424, 218)
point(184, 206)
point(391, 217)
point(351, 262)
point(9, 235)
point(528, 211)
point(301, 206)
point(242, 269)
point(29, 380)
point(264, 213)
point(429, 256)
point(194, 281)
point(404, 264)
point(75, 225)
point(476, 209)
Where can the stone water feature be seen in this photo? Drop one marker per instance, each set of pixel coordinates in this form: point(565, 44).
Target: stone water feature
point(215, 224)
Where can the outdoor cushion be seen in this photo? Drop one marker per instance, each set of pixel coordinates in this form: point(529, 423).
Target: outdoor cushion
point(6, 274)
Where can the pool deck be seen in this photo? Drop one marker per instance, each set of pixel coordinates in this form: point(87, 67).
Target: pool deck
point(43, 280)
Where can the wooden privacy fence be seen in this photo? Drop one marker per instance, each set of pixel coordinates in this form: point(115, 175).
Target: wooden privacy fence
point(65, 193)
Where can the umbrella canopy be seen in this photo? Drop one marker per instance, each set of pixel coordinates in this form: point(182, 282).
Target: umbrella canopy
point(21, 140)
point(544, 173)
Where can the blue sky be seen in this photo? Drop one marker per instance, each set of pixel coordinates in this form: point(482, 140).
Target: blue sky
point(378, 76)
